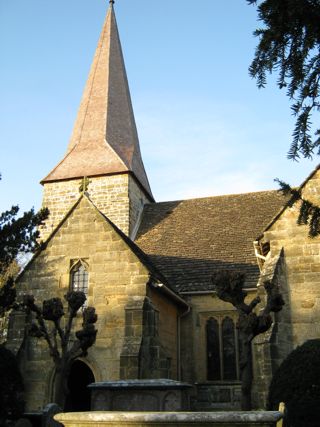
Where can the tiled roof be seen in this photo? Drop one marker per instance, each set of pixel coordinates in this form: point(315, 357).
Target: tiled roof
point(190, 239)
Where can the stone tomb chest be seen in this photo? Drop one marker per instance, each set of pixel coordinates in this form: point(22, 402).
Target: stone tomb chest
point(140, 395)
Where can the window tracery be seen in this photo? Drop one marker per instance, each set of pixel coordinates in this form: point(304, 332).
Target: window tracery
point(79, 277)
point(222, 349)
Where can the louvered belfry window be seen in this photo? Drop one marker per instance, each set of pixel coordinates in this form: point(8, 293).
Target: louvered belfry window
point(79, 278)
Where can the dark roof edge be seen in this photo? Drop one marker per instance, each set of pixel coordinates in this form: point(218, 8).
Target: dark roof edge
point(44, 244)
point(143, 257)
point(168, 291)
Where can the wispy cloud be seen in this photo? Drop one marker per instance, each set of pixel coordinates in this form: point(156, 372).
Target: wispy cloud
point(196, 154)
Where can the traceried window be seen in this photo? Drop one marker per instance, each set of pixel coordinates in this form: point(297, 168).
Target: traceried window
point(213, 349)
point(79, 277)
point(222, 349)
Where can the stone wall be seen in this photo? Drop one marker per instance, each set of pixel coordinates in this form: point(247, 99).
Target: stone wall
point(116, 278)
point(137, 200)
point(119, 197)
point(301, 287)
point(167, 332)
point(193, 332)
point(150, 344)
point(272, 347)
point(298, 278)
point(211, 395)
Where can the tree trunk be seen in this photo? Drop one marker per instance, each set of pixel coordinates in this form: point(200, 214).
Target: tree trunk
point(60, 386)
point(246, 374)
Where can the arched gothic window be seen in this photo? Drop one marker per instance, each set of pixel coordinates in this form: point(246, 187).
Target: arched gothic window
point(229, 349)
point(213, 350)
point(79, 277)
point(222, 349)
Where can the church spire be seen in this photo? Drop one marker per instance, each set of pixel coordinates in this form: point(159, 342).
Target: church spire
point(104, 139)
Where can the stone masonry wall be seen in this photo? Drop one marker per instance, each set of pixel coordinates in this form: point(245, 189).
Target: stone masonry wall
point(204, 306)
point(211, 395)
point(116, 277)
point(299, 284)
point(271, 347)
point(167, 330)
point(117, 196)
point(302, 262)
point(137, 199)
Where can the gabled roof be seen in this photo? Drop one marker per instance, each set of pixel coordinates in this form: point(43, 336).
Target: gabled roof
point(104, 139)
point(190, 239)
point(155, 273)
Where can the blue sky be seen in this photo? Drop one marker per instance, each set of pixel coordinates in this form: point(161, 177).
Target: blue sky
point(204, 127)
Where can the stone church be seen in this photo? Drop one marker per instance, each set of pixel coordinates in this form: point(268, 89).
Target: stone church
point(146, 266)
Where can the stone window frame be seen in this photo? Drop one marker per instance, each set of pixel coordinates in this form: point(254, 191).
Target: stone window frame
point(203, 318)
point(75, 264)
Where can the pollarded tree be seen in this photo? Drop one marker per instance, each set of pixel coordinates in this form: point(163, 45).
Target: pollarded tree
point(229, 287)
point(63, 348)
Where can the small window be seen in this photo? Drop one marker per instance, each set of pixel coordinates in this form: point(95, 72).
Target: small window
point(79, 278)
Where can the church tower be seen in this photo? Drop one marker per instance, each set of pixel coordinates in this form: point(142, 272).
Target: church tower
point(103, 156)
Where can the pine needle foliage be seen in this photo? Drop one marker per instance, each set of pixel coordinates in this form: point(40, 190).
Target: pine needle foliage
point(18, 234)
point(289, 44)
point(309, 213)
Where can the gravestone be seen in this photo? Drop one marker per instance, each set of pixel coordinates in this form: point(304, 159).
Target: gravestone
point(140, 395)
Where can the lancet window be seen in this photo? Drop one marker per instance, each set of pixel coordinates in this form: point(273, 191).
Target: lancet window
point(79, 277)
point(222, 349)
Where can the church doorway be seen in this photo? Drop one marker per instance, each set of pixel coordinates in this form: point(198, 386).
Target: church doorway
point(80, 377)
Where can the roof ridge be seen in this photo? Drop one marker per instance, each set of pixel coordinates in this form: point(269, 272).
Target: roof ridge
point(216, 196)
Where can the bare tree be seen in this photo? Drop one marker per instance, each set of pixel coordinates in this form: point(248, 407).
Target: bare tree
point(229, 288)
point(64, 349)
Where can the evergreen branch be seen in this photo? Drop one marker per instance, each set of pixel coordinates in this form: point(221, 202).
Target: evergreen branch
point(287, 190)
point(309, 213)
point(7, 296)
point(289, 44)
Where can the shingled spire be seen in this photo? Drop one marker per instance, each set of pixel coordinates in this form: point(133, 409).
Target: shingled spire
point(104, 139)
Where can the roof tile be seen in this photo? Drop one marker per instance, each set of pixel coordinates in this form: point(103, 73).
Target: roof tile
point(190, 239)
